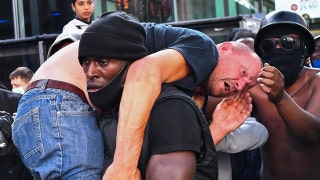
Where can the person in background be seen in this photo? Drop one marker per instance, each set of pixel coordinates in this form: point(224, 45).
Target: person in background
point(11, 165)
point(286, 98)
point(246, 37)
point(83, 10)
point(20, 79)
point(315, 57)
point(238, 33)
point(243, 35)
point(73, 30)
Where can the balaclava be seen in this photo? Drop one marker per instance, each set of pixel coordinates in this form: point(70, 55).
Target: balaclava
point(275, 25)
point(115, 35)
point(289, 63)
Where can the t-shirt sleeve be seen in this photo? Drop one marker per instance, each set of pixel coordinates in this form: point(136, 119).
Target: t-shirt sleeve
point(250, 135)
point(198, 49)
point(173, 126)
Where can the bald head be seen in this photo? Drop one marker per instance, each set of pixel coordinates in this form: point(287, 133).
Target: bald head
point(237, 69)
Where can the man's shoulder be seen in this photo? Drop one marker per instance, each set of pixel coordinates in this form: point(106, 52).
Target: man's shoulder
point(74, 26)
point(315, 73)
point(311, 76)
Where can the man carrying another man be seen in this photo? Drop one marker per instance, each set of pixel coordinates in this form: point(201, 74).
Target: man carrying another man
point(105, 78)
point(57, 68)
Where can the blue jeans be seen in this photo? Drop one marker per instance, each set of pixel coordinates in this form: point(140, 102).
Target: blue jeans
point(57, 135)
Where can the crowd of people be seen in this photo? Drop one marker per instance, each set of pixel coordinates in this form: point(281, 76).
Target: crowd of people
point(139, 103)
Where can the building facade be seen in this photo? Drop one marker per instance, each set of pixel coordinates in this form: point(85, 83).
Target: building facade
point(28, 27)
point(26, 18)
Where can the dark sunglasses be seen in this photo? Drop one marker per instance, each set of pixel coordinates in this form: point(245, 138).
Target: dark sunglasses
point(287, 43)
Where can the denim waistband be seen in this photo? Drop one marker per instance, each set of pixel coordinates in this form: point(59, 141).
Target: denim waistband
point(50, 83)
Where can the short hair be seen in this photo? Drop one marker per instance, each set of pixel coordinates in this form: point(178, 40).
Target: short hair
point(238, 33)
point(22, 72)
point(74, 1)
point(244, 34)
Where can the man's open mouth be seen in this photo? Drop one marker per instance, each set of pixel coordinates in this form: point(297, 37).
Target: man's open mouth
point(227, 87)
point(90, 89)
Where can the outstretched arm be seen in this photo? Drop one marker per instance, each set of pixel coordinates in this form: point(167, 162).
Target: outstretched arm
point(142, 87)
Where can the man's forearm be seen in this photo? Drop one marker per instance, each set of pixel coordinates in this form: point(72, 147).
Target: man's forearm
point(139, 95)
point(142, 87)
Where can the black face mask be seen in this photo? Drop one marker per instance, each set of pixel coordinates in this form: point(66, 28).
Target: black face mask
point(289, 63)
point(110, 95)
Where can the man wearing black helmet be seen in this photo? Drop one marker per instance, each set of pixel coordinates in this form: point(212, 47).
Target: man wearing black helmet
point(287, 98)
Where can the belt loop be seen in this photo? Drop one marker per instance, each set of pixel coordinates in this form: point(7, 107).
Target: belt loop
point(44, 84)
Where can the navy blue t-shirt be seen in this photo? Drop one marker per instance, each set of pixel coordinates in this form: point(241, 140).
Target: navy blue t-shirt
point(198, 49)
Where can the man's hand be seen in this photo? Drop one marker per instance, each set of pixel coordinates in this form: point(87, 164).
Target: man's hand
point(118, 174)
point(272, 82)
point(229, 115)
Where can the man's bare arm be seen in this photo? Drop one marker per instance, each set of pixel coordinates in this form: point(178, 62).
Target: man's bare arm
point(304, 123)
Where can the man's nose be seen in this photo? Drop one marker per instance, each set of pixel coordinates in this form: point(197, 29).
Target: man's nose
point(240, 85)
point(92, 69)
point(86, 6)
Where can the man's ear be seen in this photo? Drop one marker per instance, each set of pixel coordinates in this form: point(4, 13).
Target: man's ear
point(226, 46)
point(73, 8)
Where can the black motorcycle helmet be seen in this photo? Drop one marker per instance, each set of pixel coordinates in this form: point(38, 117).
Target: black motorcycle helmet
point(278, 19)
